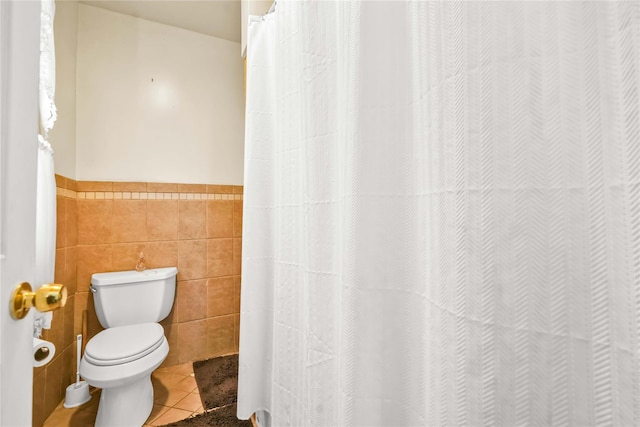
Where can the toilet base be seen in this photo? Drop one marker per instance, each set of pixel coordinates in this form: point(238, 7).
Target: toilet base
point(129, 405)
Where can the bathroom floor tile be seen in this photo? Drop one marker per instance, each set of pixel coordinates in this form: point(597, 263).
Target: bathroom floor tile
point(167, 379)
point(58, 418)
point(185, 369)
point(157, 411)
point(82, 418)
point(187, 384)
point(170, 397)
point(191, 402)
point(171, 416)
point(92, 405)
point(176, 395)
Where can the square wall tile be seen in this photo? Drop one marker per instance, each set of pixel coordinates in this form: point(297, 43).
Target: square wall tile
point(191, 300)
point(192, 219)
point(80, 306)
point(219, 218)
point(161, 254)
point(38, 413)
point(94, 221)
point(192, 259)
point(60, 266)
point(237, 282)
point(56, 333)
point(173, 315)
point(129, 221)
point(93, 324)
point(68, 368)
point(236, 332)
point(237, 255)
point(171, 332)
point(71, 222)
point(71, 269)
point(162, 219)
point(192, 340)
point(65, 269)
point(219, 257)
point(237, 218)
point(125, 255)
point(220, 335)
point(61, 229)
point(68, 320)
point(92, 259)
point(53, 384)
point(220, 296)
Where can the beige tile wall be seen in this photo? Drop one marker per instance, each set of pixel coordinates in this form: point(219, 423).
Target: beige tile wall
point(50, 381)
point(197, 228)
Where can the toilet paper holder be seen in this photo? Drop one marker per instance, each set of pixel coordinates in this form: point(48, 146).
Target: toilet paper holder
point(43, 352)
point(46, 298)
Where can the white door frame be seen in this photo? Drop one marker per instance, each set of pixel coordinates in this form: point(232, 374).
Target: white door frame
point(19, 71)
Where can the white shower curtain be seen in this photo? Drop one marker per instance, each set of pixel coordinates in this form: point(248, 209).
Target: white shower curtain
point(46, 182)
point(442, 214)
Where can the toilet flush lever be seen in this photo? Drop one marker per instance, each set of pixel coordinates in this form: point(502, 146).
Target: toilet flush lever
point(93, 290)
point(46, 298)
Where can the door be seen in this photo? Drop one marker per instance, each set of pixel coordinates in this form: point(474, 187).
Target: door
point(19, 69)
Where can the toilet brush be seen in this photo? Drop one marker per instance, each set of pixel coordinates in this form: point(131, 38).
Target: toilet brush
point(78, 392)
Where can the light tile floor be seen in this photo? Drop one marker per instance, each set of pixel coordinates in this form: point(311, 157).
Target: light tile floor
point(176, 397)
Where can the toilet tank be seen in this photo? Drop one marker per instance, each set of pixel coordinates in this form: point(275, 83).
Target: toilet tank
point(130, 297)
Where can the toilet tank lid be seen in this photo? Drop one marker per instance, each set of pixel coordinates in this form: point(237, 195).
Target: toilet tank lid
point(132, 276)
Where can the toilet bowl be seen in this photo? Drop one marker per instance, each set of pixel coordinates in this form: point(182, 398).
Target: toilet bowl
point(120, 361)
point(121, 358)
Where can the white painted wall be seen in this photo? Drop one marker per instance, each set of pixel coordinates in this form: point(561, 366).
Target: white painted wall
point(247, 8)
point(63, 135)
point(156, 103)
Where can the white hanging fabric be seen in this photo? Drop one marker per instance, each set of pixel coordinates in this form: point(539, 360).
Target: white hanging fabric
point(46, 184)
point(257, 312)
point(442, 214)
point(47, 91)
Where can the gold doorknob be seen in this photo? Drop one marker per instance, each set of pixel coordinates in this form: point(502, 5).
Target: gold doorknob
point(45, 298)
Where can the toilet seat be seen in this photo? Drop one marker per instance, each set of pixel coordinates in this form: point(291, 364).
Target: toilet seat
point(124, 375)
point(124, 344)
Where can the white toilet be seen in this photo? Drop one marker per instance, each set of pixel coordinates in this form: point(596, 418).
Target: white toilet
point(120, 359)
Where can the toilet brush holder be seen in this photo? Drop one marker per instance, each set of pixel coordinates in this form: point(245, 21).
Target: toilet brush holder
point(77, 394)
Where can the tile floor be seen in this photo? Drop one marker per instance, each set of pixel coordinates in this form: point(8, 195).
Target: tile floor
point(176, 397)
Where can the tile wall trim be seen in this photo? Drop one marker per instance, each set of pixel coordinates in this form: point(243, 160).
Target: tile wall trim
point(137, 195)
point(66, 193)
point(126, 195)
